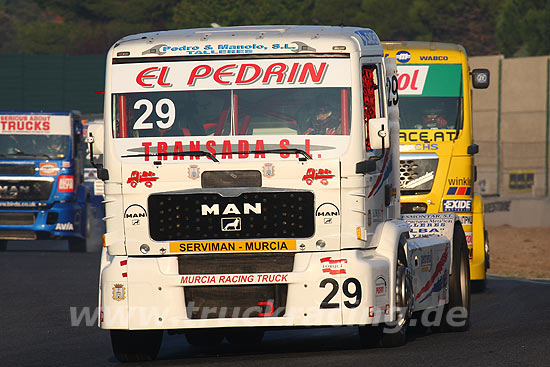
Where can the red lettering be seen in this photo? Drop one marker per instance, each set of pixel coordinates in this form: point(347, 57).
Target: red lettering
point(243, 149)
point(36, 125)
point(146, 146)
point(242, 73)
point(21, 125)
point(309, 69)
point(280, 73)
point(210, 146)
point(162, 77)
point(178, 147)
point(284, 145)
point(146, 74)
point(162, 147)
point(221, 72)
point(259, 146)
point(207, 70)
point(293, 72)
point(226, 150)
point(413, 83)
point(11, 125)
point(403, 81)
point(194, 146)
point(46, 125)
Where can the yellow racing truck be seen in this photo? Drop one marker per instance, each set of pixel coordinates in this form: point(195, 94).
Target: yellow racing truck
point(437, 171)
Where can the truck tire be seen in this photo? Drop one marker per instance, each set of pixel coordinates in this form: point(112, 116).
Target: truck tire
point(204, 337)
point(84, 244)
point(3, 245)
point(394, 334)
point(136, 345)
point(481, 284)
point(459, 283)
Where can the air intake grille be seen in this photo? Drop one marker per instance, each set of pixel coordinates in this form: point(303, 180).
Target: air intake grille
point(16, 169)
point(236, 263)
point(236, 301)
point(417, 176)
point(11, 218)
point(288, 214)
point(25, 190)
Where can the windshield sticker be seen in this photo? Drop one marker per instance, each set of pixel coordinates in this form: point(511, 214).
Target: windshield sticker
point(35, 124)
point(175, 150)
point(229, 74)
point(430, 80)
point(411, 79)
point(406, 136)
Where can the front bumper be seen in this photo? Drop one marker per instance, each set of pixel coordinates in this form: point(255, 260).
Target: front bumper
point(60, 221)
point(348, 287)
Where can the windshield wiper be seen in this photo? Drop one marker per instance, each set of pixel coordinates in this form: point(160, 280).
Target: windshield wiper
point(282, 151)
point(199, 153)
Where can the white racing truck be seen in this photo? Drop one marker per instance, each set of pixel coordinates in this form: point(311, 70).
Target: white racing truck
point(252, 182)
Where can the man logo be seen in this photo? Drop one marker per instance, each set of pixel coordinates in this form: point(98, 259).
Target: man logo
point(231, 224)
point(231, 209)
point(327, 210)
point(134, 212)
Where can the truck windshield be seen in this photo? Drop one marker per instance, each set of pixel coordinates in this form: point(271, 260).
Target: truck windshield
point(280, 111)
point(430, 112)
point(21, 147)
point(430, 96)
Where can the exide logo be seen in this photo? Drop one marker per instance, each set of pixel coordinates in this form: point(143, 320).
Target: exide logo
point(153, 73)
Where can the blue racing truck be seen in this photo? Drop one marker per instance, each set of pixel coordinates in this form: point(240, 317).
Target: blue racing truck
point(42, 190)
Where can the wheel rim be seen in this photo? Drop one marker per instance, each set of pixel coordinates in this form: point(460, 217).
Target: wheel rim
point(464, 283)
point(403, 297)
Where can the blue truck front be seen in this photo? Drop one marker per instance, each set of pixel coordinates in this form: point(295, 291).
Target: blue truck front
point(42, 195)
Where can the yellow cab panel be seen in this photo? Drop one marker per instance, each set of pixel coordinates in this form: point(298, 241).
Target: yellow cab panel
point(437, 168)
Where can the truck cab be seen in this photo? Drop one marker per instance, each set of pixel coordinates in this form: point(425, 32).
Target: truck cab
point(42, 195)
point(437, 168)
point(253, 184)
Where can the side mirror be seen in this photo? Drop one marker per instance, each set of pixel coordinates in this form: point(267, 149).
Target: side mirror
point(95, 137)
point(95, 140)
point(480, 78)
point(379, 133)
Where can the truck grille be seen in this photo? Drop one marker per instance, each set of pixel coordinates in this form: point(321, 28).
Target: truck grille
point(17, 235)
point(262, 214)
point(417, 175)
point(25, 190)
point(17, 169)
point(236, 263)
point(11, 218)
point(236, 301)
